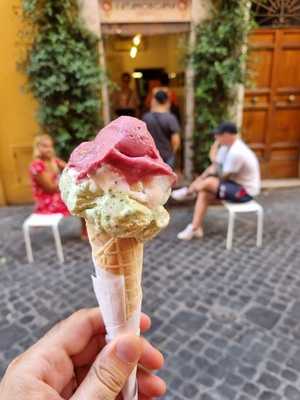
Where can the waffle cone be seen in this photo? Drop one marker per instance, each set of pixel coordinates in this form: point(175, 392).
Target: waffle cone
point(121, 256)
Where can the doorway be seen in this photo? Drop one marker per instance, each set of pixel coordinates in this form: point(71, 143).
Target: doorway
point(155, 55)
point(272, 105)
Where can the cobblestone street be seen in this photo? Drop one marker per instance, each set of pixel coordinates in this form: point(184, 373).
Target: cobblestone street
point(228, 323)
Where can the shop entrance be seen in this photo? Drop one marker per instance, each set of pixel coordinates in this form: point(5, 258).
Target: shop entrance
point(147, 59)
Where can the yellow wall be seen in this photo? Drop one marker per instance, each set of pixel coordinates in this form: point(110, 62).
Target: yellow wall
point(2, 196)
point(17, 121)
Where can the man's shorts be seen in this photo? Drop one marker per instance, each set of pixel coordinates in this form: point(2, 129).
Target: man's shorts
point(232, 191)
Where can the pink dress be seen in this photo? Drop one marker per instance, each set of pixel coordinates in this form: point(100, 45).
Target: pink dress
point(45, 203)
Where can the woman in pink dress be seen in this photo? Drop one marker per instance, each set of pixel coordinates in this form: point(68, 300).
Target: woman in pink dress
point(45, 170)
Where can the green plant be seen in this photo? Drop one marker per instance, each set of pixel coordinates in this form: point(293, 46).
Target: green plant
point(63, 71)
point(218, 59)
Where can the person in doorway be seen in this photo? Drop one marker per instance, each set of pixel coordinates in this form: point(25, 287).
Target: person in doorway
point(163, 127)
point(164, 83)
point(125, 99)
point(44, 172)
point(234, 175)
point(72, 361)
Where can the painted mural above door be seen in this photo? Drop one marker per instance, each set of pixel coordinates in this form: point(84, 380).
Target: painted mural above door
point(141, 11)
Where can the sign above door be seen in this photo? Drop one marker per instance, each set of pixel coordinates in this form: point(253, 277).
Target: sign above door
point(145, 11)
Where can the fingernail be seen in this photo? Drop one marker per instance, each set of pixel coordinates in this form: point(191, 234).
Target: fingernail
point(128, 348)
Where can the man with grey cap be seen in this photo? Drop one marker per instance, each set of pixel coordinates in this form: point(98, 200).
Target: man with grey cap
point(234, 176)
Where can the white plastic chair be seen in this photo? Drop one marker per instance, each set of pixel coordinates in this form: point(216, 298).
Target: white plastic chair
point(43, 220)
point(249, 207)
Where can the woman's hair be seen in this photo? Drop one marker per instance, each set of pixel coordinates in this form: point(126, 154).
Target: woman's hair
point(125, 77)
point(36, 143)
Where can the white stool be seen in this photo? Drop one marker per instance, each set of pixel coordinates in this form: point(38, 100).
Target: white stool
point(236, 208)
point(40, 220)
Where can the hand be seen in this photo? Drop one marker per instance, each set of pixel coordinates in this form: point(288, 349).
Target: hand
point(214, 150)
point(66, 364)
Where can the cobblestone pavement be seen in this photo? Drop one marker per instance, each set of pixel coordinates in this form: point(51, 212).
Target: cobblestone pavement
point(227, 322)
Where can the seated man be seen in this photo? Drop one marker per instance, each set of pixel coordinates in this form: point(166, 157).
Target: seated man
point(233, 175)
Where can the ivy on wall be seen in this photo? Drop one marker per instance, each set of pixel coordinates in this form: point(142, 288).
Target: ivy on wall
point(63, 72)
point(218, 60)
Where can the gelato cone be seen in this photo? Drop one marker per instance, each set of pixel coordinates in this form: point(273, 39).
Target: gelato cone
point(119, 184)
point(123, 257)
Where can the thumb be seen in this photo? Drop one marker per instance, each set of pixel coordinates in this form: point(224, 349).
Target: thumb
point(111, 369)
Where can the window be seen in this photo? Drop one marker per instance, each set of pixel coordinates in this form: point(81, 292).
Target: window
point(277, 12)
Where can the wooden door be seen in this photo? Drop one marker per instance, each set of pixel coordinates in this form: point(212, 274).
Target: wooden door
point(271, 123)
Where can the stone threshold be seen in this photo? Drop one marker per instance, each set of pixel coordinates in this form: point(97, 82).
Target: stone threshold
point(280, 183)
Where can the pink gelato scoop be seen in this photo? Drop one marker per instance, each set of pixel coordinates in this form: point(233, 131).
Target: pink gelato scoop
point(124, 144)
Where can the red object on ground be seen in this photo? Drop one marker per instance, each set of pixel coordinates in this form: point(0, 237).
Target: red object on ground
point(124, 144)
point(45, 203)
